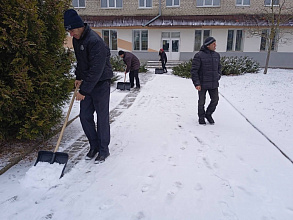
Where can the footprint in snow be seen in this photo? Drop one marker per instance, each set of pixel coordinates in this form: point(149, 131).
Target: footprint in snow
point(139, 215)
point(198, 187)
point(227, 213)
point(175, 189)
point(207, 163)
point(145, 188)
point(12, 199)
point(107, 205)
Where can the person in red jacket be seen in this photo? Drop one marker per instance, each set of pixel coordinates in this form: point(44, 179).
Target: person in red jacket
point(132, 66)
point(163, 59)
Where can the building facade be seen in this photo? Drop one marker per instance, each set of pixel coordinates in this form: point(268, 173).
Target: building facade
point(181, 26)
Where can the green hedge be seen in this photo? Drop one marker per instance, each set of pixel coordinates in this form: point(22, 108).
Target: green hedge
point(35, 81)
point(238, 65)
point(117, 63)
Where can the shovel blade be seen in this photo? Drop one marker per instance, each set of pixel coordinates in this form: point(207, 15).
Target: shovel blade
point(51, 157)
point(159, 71)
point(44, 156)
point(61, 158)
point(123, 85)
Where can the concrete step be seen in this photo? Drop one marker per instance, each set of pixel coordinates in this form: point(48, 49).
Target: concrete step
point(158, 64)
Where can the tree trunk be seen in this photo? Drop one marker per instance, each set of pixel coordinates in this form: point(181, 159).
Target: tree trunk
point(271, 38)
point(267, 61)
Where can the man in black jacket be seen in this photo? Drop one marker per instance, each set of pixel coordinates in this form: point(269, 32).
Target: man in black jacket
point(93, 77)
point(163, 59)
point(206, 73)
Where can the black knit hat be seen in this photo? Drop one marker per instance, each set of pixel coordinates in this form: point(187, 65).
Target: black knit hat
point(72, 20)
point(121, 52)
point(209, 40)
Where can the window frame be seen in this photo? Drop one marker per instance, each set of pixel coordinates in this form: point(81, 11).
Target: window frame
point(114, 7)
point(141, 42)
point(205, 5)
point(235, 40)
point(275, 42)
point(110, 43)
point(271, 3)
point(202, 37)
point(78, 1)
point(145, 4)
point(173, 5)
point(242, 3)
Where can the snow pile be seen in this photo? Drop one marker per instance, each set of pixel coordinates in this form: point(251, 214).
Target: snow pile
point(43, 175)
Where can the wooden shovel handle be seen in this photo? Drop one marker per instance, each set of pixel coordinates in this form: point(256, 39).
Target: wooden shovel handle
point(66, 120)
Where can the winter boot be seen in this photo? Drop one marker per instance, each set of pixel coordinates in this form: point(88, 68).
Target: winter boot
point(201, 121)
point(90, 155)
point(101, 158)
point(210, 119)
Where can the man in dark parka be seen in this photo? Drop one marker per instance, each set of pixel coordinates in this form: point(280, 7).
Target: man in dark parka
point(93, 77)
point(205, 74)
point(163, 59)
point(132, 66)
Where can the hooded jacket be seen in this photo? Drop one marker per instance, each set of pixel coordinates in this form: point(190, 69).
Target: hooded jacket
point(93, 60)
point(206, 69)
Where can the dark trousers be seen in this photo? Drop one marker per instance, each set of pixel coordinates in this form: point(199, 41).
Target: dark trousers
point(164, 66)
point(97, 101)
point(214, 95)
point(134, 74)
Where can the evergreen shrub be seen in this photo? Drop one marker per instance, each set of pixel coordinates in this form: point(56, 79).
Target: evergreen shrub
point(183, 69)
point(142, 68)
point(117, 63)
point(35, 82)
point(238, 65)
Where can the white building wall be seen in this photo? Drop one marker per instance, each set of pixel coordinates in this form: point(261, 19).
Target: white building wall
point(155, 39)
point(286, 43)
point(186, 40)
point(125, 35)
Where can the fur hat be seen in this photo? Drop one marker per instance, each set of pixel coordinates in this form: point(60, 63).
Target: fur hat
point(72, 20)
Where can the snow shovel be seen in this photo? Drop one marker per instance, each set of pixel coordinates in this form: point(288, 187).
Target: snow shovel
point(58, 157)
point(123, 85)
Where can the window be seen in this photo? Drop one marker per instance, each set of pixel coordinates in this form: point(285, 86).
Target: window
point(172, 3)
point(242, 2)
point(110, 38)
point(271, 2)
point(111, 3)
point(234, 40)
point(145, 3)
point(208, 3)
point(140, 40)
point(264, 43)
point(200, 36)
point(78, 3)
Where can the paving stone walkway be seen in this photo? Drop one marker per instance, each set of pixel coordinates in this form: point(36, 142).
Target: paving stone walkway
point(80, 147)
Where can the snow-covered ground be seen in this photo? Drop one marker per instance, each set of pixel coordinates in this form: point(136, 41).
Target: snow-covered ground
point(165, 166)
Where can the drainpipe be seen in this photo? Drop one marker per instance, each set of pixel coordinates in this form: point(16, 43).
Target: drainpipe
point(160, 13)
